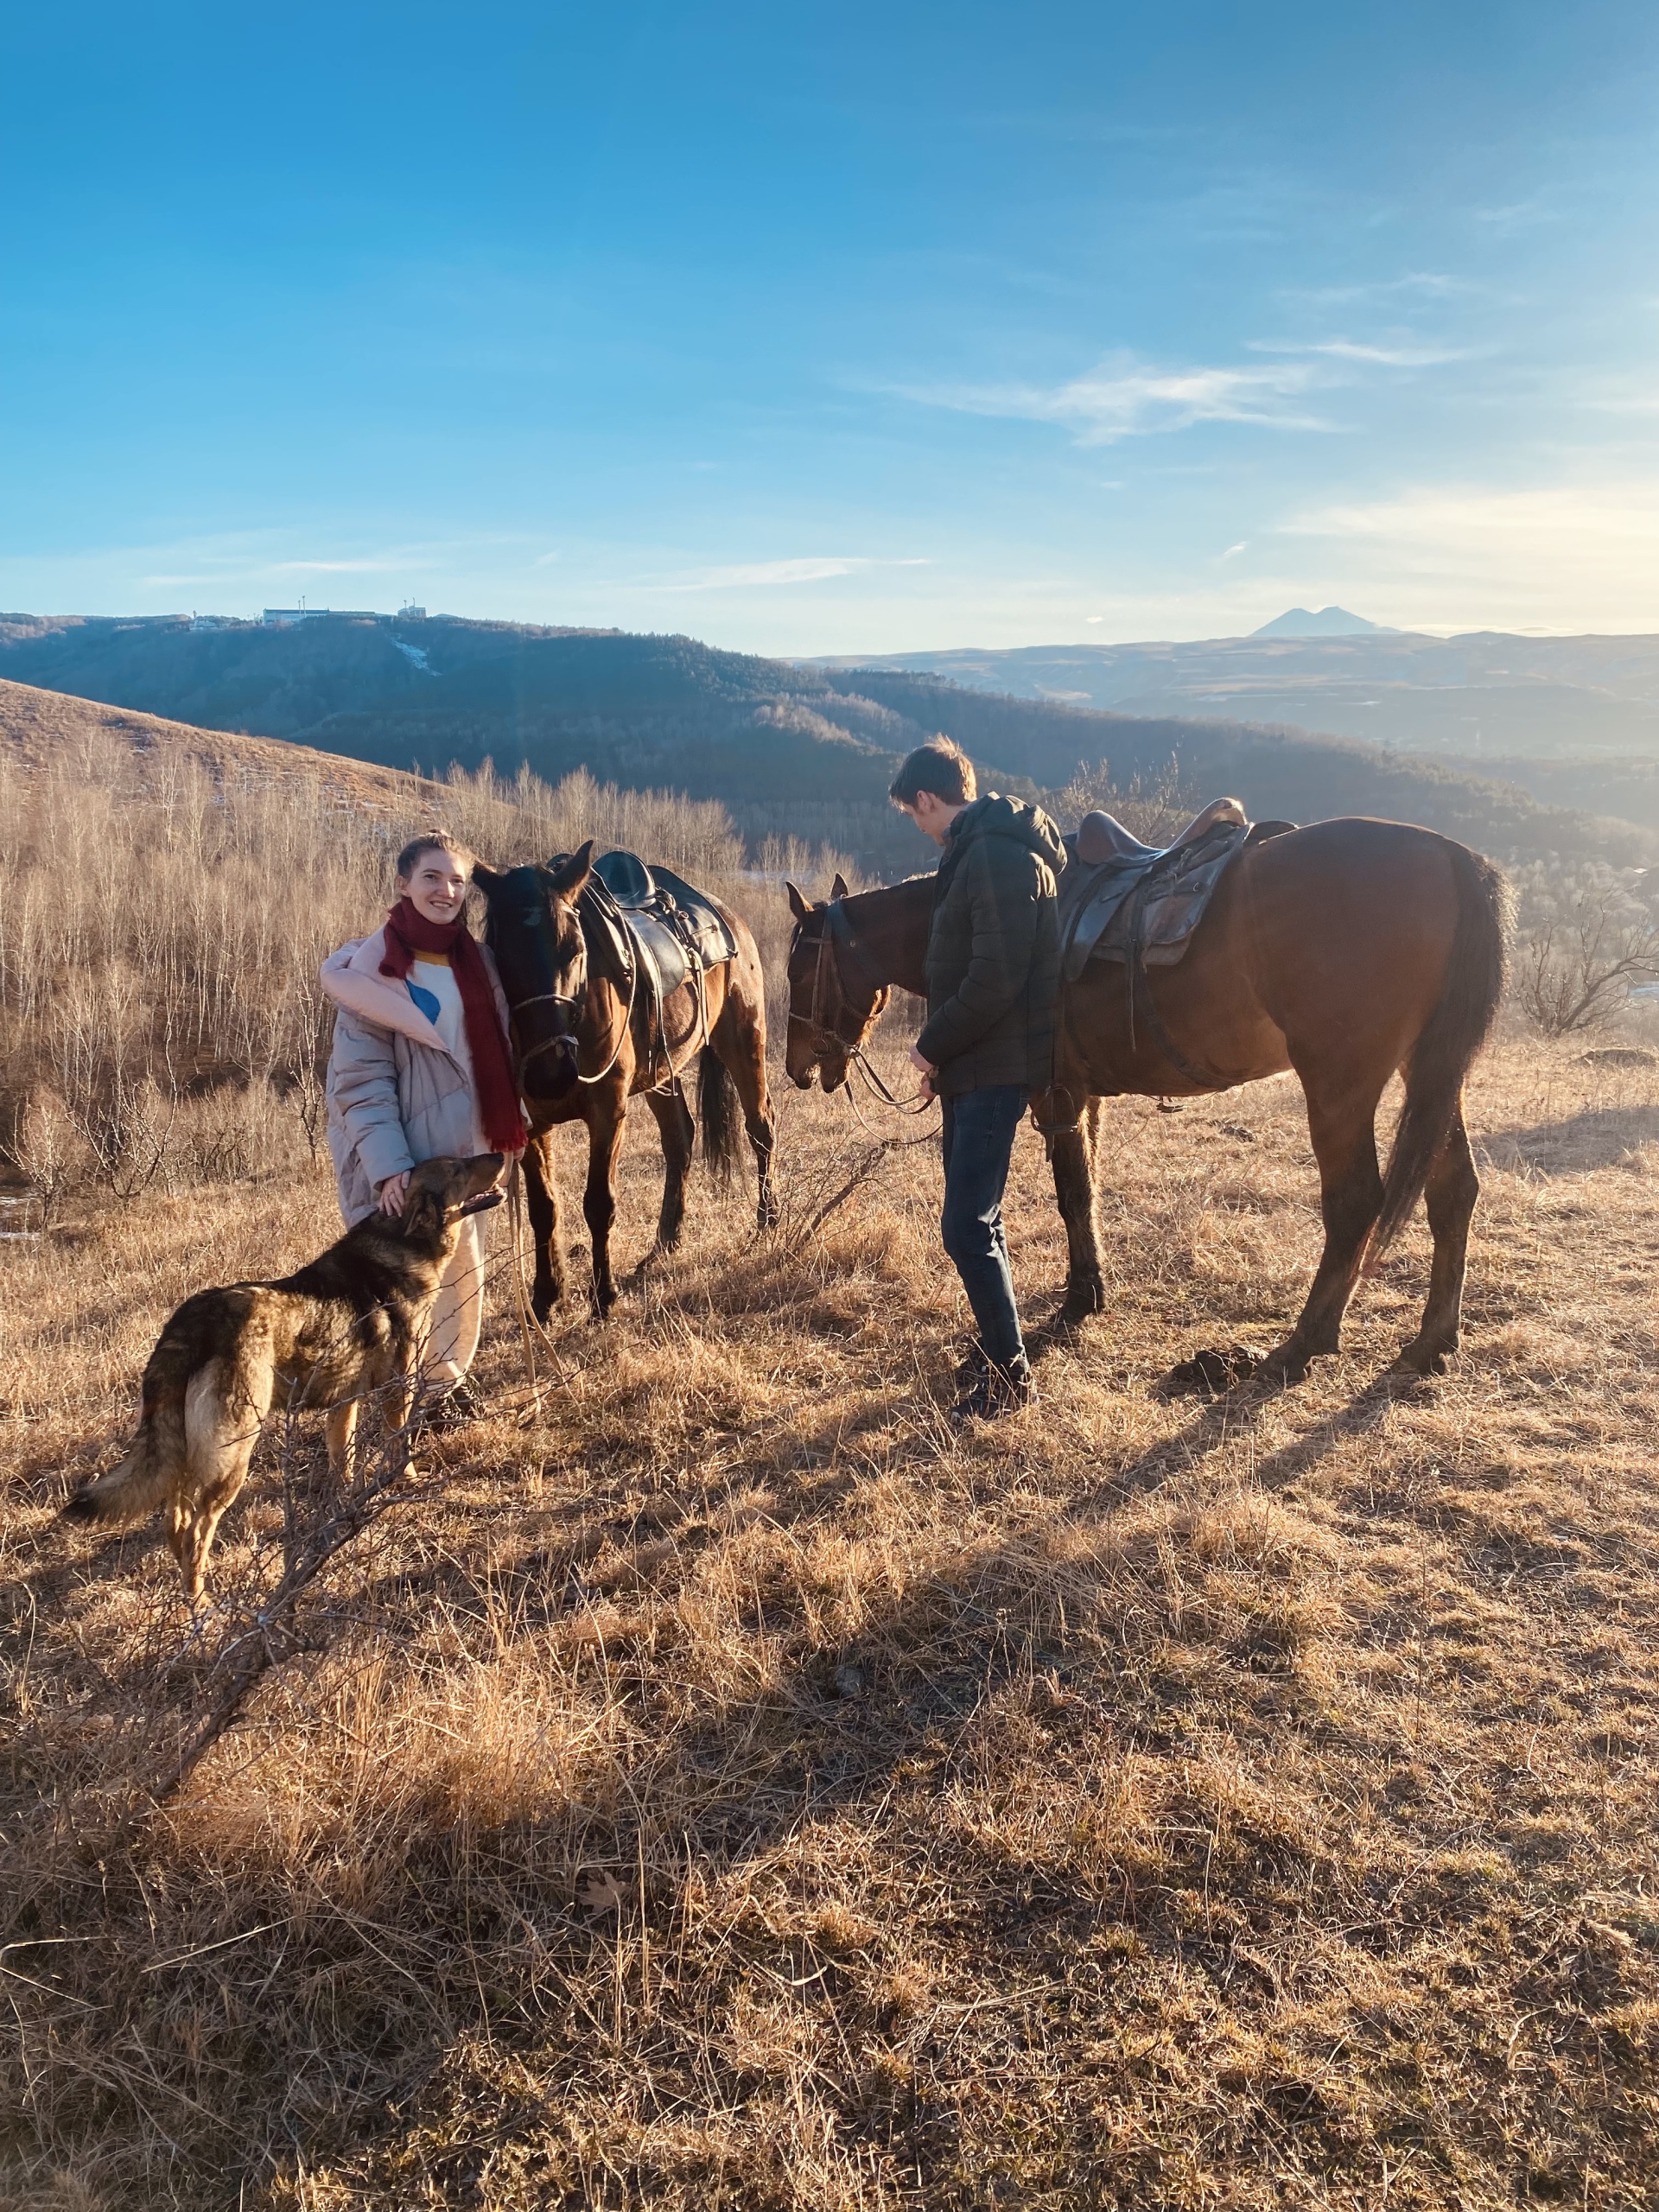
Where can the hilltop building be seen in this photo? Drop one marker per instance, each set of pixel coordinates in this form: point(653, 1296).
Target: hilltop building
point(282, 618)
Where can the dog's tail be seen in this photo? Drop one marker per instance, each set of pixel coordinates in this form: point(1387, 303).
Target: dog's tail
point(136, 1484)
point(720, 1115)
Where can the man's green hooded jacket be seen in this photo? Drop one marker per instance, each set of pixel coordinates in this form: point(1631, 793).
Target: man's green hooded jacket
point(993, 955)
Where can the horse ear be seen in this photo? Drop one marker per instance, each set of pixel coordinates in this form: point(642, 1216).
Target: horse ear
point(486, 879)
point(800, 906)
point(569, 876)
point(838, 888)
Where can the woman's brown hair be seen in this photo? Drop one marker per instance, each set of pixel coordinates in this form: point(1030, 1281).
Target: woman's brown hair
point(434, 840)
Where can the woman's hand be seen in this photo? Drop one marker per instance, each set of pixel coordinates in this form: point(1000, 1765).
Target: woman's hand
point(393, 1192)
point(928, 1072)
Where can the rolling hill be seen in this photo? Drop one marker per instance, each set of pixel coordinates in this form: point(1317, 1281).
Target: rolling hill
point(1488, 694)
point(807, 749)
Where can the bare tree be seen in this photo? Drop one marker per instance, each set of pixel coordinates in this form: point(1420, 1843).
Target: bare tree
point(1584, 940)
point(1154, 808)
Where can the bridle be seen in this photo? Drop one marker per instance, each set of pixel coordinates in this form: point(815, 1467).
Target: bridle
point(835, 942)
point(536, 920)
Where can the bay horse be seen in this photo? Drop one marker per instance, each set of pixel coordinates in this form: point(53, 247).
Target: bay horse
point(1348, 950)
point(585, 1042)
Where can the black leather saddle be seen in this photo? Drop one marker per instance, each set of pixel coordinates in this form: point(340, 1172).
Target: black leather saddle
point(1121, 899)
point(669, 930)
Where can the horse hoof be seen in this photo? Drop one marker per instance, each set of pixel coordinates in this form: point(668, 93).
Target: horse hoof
point(1083, 1299)
point(1419, 1358)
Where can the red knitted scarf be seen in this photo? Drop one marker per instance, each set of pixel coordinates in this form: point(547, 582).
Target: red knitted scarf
point(409, 932)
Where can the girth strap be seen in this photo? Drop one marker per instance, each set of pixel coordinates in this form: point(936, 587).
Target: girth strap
point(1141, 999)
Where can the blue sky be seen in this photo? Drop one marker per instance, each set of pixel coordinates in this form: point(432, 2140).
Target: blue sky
point(835, 327)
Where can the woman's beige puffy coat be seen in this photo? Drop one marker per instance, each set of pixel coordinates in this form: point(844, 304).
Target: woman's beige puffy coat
point(396, 1095)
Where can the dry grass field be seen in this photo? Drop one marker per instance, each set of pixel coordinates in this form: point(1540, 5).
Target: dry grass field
point(714, 1783)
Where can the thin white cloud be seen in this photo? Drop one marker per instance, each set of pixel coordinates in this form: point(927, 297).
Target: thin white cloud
point(331, 567)
point(1423, 283)
point(1125, 399)
point(816, 571)
point(1349, 349)
point(1242, 546)
point(1517, 215)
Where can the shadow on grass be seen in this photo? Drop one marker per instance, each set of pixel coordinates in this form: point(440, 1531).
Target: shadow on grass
point(883, 1722)
point(1599, 1137)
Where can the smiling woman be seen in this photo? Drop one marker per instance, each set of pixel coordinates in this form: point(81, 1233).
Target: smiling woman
point(420, 1069)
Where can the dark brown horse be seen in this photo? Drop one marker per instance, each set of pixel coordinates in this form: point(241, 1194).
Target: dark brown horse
point(585, 1042)
point(1348, 950)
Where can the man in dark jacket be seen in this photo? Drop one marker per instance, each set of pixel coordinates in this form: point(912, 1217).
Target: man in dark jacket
point(993, 974)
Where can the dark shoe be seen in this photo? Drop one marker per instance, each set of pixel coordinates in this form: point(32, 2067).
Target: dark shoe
point(999, 1390)
point(972, 1367)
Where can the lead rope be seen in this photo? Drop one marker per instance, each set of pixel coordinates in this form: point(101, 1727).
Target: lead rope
point(914, 1105)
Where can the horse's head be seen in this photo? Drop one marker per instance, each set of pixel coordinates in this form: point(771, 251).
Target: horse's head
point(536, 934)
point(829, 1017)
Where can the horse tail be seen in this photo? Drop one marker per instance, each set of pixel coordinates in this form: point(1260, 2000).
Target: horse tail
point(719, 1112)
point(1453, 1033)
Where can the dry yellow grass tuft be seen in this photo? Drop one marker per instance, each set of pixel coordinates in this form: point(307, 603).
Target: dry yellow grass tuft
point(728, 1786)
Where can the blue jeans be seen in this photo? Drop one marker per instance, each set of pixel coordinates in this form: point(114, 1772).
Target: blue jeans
point(979, 1129)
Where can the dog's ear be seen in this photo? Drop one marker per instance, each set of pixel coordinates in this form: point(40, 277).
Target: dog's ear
point(567, 875)
point(422, 1214)
point(838, 888)
point(799, 904)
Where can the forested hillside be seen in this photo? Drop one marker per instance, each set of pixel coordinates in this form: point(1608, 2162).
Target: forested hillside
point(791, 749)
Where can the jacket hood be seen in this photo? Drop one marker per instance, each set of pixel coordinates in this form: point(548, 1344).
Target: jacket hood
point(993, 816)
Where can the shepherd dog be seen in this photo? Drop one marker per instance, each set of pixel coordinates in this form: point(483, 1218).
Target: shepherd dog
point(350, 1324)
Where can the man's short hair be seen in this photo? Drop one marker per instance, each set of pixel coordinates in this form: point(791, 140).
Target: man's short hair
point(940, 767)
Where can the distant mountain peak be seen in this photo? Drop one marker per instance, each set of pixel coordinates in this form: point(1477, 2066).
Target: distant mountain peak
point(1329, 622)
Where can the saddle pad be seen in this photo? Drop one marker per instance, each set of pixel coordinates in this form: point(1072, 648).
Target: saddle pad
point(1095, 902)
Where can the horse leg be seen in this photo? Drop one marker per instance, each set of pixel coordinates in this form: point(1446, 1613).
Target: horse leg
point(599, 1198)
point(679, 1134)
point(741, 1044)
point(1344, 1133)
point(1072, 1156)
point(542, 1201)
point(1450, 1193)
point(762, 1135)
